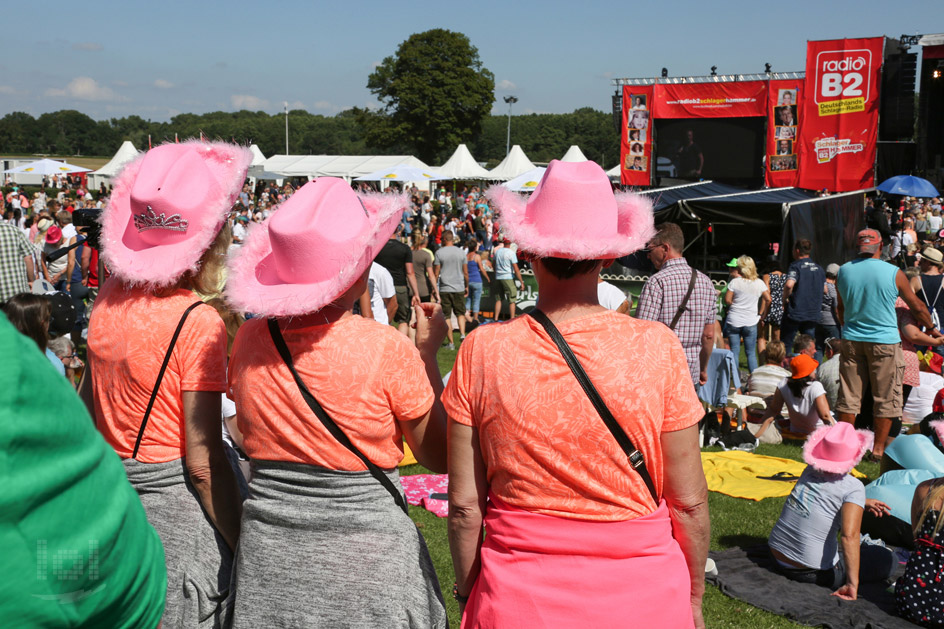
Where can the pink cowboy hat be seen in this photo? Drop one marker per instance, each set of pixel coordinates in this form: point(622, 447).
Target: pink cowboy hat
point(938, 427)
point(167, 207)
point(836, 449)
point(311, 249)
point(574, 214)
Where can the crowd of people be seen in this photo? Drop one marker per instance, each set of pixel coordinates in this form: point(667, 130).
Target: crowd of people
point(258, 356)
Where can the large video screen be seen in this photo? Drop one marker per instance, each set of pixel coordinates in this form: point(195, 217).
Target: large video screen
point(730, 150)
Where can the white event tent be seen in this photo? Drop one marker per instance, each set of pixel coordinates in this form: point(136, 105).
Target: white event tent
point(614, 173)
point(462, 166)
point(574, 154)
point(347, 167)
point(514, 164)
point(527, 181)
point(258, 159)
point(125, 153)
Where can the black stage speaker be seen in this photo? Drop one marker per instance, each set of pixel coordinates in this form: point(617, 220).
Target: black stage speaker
point(897, 107)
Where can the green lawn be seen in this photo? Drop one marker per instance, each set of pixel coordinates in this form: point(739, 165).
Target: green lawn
point(734, 522)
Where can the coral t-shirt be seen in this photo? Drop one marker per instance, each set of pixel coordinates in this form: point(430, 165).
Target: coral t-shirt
point(545, 447)
point(365, 375)
point(129, 333)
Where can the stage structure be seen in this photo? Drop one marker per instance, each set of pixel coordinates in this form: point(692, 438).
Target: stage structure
point(813, 130)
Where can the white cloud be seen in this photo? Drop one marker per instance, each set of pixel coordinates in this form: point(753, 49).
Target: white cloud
point(326, 106)
point(85, 88)
point(162, 84)
point(505, 84)
point(88, 46)
point(296, 104)
point(247, 101)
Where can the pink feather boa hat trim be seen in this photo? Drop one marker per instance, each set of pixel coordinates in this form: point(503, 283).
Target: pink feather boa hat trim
point(838, 448)
point(312, 248)
point(938, 427)
point(574, 214)
point(167, 207)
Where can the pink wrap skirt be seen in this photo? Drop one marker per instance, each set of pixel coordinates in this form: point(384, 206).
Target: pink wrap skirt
point(546, 571)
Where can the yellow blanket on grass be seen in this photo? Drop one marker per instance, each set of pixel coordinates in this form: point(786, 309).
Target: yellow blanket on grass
point(752, 476)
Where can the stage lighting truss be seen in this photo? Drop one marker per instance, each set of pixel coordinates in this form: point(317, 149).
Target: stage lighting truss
point(720, 78)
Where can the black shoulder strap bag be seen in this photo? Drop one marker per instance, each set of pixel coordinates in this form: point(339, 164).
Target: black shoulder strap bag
point(632, 453)
point(688, 295)
point(326, 420)
point(160, 376)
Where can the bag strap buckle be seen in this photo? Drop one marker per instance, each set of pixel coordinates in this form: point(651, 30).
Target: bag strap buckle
point(635, 459)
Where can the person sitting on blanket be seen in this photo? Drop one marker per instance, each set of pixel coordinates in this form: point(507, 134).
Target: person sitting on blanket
point(824, 501)
point(804, 397)
point(919, 591)
point(764, 380)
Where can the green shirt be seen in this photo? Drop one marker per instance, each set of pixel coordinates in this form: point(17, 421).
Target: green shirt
point(77, 547)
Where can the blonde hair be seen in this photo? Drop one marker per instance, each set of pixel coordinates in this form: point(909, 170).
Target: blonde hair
point(775, 353)
point(747, 268)
point(207, 280)
point(231, 319)
point(934, 496)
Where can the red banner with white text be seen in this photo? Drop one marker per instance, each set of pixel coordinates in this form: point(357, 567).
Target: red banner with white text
point(735, 99)
point(782, 126)
point(837, 141)
point(636, 145)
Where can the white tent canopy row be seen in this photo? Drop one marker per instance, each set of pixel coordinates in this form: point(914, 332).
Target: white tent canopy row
point(125, 153)
point(347, 167)
point(514, 164)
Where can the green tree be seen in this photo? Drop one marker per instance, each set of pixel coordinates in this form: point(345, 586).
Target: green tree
point(435, 94)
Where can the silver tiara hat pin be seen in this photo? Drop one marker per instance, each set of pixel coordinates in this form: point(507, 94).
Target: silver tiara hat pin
point(149, 219)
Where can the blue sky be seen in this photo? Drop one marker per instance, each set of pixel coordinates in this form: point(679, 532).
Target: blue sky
point(157, 59)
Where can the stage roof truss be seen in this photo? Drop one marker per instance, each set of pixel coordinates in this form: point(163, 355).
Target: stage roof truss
point(719, 78)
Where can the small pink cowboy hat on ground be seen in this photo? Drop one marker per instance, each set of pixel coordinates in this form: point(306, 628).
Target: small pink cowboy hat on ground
point(168, 206)
point(574, 214)
point(311, 249)
point(837, 449)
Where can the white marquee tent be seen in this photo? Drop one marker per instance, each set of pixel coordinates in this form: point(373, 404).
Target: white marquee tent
point(514, 164)
point(125, 153)
point(574, 154)
point(345, 166)
point(462, 166)
point(258, 159)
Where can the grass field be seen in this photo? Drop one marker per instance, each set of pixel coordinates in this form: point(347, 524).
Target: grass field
point(734, 522)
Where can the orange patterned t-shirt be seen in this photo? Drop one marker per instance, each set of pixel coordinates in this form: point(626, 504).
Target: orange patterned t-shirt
point(365, 374)
point(545, 447)
point(129, 333)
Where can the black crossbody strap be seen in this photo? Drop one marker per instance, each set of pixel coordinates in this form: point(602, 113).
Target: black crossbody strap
point(632, 453)
point(160, 376)
point(326, 420)
point(688, 294)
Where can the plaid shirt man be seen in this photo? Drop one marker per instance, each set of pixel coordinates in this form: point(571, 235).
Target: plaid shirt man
point(14, 249)
point(663, 294)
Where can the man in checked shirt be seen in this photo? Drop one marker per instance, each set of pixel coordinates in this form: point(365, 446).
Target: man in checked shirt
point(665, 291)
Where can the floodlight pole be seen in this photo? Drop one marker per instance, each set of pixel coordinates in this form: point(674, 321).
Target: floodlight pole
point(285, 105)
point(511, 100)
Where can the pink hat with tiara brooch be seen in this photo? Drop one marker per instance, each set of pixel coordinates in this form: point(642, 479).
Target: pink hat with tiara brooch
point(314, 247)
point(574, 214)
point(167, 207)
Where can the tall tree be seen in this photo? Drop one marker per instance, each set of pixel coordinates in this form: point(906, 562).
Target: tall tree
point(435, 94)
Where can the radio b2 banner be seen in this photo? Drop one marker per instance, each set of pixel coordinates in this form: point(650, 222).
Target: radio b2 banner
point(636, 136)
point(837, 140)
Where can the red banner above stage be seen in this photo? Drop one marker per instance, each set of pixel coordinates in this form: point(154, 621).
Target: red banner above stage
point(782, 125)
point(636, 145)
point(738, 99)
point(836, 143)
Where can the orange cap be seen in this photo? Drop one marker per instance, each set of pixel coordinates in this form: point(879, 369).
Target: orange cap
point(802, 366)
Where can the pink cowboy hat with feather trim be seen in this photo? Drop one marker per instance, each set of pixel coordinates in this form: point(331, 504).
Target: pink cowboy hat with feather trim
point(574, 214)
point(167, 207)
point(311, 249)
point(836, 449)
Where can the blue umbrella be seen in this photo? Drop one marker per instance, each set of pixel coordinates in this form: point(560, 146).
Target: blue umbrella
point(907, 185)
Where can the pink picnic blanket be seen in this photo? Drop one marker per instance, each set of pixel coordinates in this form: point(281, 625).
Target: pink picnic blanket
point(420, 487)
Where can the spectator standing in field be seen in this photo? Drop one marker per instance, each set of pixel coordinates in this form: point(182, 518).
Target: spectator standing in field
point(747, 299)
point(828, 326)
point(478, 277)
point(505, 262)
point(397, 258)
point(802, 294)
point(928, 285)
point(612, 298)
point(774, 279)
point(666, 298)
point(383, 296)
point(871, 343)
point(452, 275)
point(423, 269)
point(17, 270)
